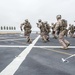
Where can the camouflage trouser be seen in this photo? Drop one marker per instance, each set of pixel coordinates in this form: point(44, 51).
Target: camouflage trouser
point(47, 36)
point(63, 41)
point(54, 34)
point(27, 35)
point(44, 36)
point(71, 34)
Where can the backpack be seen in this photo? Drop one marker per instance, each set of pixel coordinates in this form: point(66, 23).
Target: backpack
point(64, 23)
point(63, 26)
point(72, 29)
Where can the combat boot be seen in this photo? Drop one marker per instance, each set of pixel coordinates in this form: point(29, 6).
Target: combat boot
point(48, 39)
point(44, 39)
point(30, 41)
point(68, 44)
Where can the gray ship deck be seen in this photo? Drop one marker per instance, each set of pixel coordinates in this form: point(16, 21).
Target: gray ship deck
point(20, 58)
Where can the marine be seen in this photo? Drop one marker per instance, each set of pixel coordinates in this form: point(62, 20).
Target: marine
point(43, 29)
point(47, 31)
point(27, 30)
point(53, 32)
point(71, 30)
point(61, 25)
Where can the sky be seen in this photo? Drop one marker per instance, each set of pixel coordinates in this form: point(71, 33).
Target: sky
point(14, 12)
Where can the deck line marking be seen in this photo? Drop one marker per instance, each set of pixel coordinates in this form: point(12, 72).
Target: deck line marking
point(14, 65)
point(12, 39)
point(35, 46)
point(58, 51)
point(20, 42)
point(12, 46)
point(52, 46)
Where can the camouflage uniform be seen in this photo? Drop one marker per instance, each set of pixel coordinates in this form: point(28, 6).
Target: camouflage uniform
point(53, 32)
point(47, 31)
point(42, 28)
point(74, 32)
point(59, 26)
point(71, 30)
point(27, 30)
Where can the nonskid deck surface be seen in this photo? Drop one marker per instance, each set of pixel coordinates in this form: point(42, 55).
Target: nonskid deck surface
point(17, 57)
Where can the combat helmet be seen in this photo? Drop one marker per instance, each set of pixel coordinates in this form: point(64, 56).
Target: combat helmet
point(26, 20)
point(58, 17)
point(39, 20)
point(52, 23)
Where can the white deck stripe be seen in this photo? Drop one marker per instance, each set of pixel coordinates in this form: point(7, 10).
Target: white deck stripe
point(14, 65)
point(12, 39)
point(13, 46)
point(35, 46)
point(52, 46)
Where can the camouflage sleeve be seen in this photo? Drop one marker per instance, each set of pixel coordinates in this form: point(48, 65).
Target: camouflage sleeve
point(38, 25)
point(30, 26)
point(21, 26)
point(56, 26)
point(49, 28)
point(68, 28)
point(74, 28)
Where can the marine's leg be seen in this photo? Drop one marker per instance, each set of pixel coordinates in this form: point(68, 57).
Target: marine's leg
point(66, 42)
point(61, 40)
point(43, 37)
point(48, 39)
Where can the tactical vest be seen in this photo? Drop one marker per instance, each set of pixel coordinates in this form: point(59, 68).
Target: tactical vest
point(27, 27)
point(72, 29)
point(63, 25)
point(53, 26)
point(47, 28)
point(42, 27)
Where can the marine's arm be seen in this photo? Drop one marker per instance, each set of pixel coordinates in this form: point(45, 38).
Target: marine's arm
point(38, 25)
point(56, 26)
point(21, 26)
